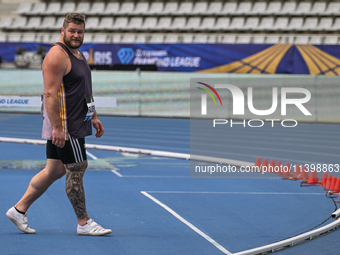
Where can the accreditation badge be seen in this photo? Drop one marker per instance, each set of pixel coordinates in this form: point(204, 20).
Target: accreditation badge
point(90, 108)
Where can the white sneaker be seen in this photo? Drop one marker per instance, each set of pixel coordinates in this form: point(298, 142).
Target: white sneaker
point(20, 220)
point(91, 228)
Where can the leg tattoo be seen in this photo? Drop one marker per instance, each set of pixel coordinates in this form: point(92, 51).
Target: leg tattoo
point(75, 189)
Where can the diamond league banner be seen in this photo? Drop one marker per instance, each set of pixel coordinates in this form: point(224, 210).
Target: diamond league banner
point(205, 58)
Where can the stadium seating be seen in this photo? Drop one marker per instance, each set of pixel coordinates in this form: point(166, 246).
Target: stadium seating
point(325, 24)
point(187, 21)
point(258, 39)
point(184, 8)
point(230, 38)
point(221, 24)
point(53, 9)
point(92, 23)
point(67, 8)
point(5, 22)
point(332, 8)
point(331, 39)
point(309, 24)
point(336, 25)
point(29, 37)
point(18, 23)
point(301, 39)
point(169, 8)
point(280, 24)
point(24, 8)
point(251, 23)
point(126, 8)
point(318, 8)
point(96, 9)
point(100, 38)
point(120, 23)
point(38, 9)
point(266, 23)
point(273, 8)
point(244, 8)
point(14, 37)
point(193, 23)
point(207, 24)
point(155, 8)
point(163, 23)
point(228, 8)
point(171, 38)
point(135, 23)
point(105, 23)
point(128, 38)
point(140, 38)
point(214, 8)
point(243, 39)
point(141, 8)
point(156, 38)
point(33, 23)
point(3, 37)
point(288, 8)
point(149, 23)
point(303, 8)
point(187, 38)
point(315, 39)
point(178, 23)
point(111, 9)
point(199, 8)
point(83, 7)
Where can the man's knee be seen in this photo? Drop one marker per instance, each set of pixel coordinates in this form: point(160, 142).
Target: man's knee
point(55, 168)
point(60, 173)
point(77, 167)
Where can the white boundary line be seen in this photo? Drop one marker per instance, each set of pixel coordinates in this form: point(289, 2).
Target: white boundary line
point(232, 193)
point(116, 173)
point(270, 247)
point(266, 248)
point(95, 158)
point(22, 140)
point(167, 154)
point(91, 155)
point(208, 238)
point(154, 176)
point(292, 241)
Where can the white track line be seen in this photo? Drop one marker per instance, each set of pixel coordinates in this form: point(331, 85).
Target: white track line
point(291, 241)
point(116, 173)
point(167, 154)
point(262, 249)
point(91, 155)
point(154, 176)
point(232, 193)
point(95, 158)
point(208, 238)
point(266, 248)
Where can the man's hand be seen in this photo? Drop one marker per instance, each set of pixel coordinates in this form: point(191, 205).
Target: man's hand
point(98, 126)
point(58, 137)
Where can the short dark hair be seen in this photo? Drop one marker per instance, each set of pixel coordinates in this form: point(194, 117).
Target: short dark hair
point(76, 18)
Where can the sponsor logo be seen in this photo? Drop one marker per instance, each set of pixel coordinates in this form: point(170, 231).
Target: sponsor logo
point(125, 55)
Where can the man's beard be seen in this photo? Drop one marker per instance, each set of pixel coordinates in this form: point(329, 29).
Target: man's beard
point(69, 43)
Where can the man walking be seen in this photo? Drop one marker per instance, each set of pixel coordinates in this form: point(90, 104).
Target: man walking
point(68, 112)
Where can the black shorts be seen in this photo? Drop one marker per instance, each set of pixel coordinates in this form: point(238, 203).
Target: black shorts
point(73, 151)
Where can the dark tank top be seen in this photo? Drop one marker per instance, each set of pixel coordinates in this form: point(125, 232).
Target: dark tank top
point(76, 86)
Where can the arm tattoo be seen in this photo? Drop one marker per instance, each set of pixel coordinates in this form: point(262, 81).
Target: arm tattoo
point(75, 189)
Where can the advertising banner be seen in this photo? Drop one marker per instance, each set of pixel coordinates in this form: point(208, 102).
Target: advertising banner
point(206, 58)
